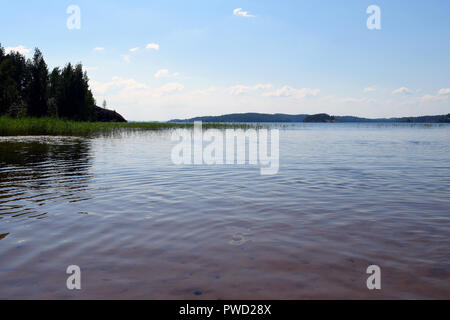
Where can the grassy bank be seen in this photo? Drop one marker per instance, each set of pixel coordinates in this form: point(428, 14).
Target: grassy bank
point(57, 127)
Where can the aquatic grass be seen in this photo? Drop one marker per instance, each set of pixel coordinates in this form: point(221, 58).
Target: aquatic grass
point(58, 127)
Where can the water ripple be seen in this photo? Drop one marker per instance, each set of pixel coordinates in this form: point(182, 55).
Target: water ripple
point(141, 227)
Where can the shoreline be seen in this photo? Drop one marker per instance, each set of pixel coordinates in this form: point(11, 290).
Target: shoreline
point(58, 127)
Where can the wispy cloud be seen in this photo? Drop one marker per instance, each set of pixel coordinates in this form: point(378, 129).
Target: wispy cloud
point(240, 13)
point(117, 83)
point(152, 46)
point(134, 49)
point(20, 49)
point(129, 87)
point(356, 100)
point(433, 98)
point(126, 58)
point(205, 92)
point(99, 49)
point(287, 91)
point(269, 91)
point(369, 89)
point(402, 90)
point(168, 88)
point(444, 91)
point(164, 73)
point(242, 89)
point(442, 95)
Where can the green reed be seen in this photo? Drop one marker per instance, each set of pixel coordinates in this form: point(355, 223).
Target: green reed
point(58, 127)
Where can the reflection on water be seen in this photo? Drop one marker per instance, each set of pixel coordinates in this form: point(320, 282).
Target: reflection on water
point(346, 197)
point(35, 171)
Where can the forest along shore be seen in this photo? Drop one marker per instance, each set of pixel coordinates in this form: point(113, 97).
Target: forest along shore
point(28, 89)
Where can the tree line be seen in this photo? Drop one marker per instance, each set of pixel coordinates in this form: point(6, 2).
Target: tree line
point(28, 89)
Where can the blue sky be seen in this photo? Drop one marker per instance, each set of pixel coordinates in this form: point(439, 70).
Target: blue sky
point(207, 58)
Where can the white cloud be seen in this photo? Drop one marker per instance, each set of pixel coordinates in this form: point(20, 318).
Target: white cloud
point(168, 88)
point(444, 91)
point(287, 91)
point(153, 46)
point(357, 100)
point(19, 49)
point(116, 83)
point(205, 92)
point(139, 101)
point(432, 98)
point(402, 90)
point(99, 49)
point(162, 73)
point(126, 58)
point(129, 88)
point(369, 89)
point(241, 89)
point(134, 49)
point(240, 13)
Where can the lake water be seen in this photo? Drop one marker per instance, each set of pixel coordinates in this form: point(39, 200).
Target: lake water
point(346, 196)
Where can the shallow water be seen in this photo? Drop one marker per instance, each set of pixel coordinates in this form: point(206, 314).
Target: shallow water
point(346, 196)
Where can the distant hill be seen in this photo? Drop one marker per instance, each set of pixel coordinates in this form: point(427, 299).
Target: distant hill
point(323, 117)
point(422, 119)
point(248, 117)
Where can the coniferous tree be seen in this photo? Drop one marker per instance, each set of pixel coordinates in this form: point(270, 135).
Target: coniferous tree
point(65, 104)
point(26, 88)
point(89, 101)
point(80, 111)
point(2, 53)
point(8, 87)
point(53, 90)
point(21, 74)
point(38, 94)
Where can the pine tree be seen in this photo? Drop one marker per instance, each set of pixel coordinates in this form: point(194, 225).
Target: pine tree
point(26, 88)
point(8, 87)
point(38, 94)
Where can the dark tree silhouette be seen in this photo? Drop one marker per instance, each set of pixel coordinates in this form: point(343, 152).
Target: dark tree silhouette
point(38, 94)
point(27, 89)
